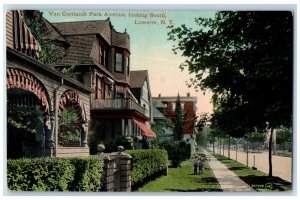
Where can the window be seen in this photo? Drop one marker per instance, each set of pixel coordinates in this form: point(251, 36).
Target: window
point(119, 62)
point(100, 88)
point(173, 106)
point(127, 64)
point(182, 106)
point(102, 55)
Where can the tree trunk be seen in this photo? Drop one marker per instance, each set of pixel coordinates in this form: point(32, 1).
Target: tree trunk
point(229, 146)
point(213, 147)
point(247, 153)
point(223, 146)
point(236, 147)
point(270, 152)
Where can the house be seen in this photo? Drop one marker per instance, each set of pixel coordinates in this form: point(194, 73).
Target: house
point(36, 95)
point(102, 59)
point(90, 77)
point(166, 106)
point(140, 88)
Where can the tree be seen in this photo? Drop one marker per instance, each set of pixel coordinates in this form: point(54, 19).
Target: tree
point(255, 138)
point(245, 59)
point(203, 121)
point(49, 54)
point(284, 136)
point(179, 120)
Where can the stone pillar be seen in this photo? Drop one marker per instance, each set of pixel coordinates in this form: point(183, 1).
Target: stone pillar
point(124, 165)
point(84, 132)
point(109, 168)
point(116, 175)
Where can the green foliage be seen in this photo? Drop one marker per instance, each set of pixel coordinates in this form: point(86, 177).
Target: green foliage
point(49, 54)
point(203, 121)
point(54, 174)
point(246, 60)
point(181, 180)
point(70, 137)
point(68, 116)
point(179, 120)
point(178, 151)
point(87, 176)
point(160, 126)
point(284, 135)
point(201, 138)
point(255, 178)
point(255, 137)
point(146, 163)
point(43, 174)
point(26, 118)
point(112, 146)
point(73, 72)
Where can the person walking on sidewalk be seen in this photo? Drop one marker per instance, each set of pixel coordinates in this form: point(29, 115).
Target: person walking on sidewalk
point(194, 163)
point(201, 165)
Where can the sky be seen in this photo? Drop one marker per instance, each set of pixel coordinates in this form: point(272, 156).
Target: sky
point(150, 49)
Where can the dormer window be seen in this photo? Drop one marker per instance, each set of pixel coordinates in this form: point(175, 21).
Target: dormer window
point(119, 62)
point(102, 55)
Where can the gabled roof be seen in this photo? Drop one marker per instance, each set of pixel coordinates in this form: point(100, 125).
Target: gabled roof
point(53, 33)
point(79, 51)
point(157, 114)
point(137, 78)
point(102, 27)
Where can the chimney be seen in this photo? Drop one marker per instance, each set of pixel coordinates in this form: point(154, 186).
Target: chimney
point(159, 95)
point(188, 94)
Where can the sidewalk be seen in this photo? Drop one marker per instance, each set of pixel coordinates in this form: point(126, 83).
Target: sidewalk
point(229, 182)
point(282, 166)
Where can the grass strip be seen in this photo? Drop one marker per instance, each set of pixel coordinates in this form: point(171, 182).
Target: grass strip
point(182, 179)
point(258, 180)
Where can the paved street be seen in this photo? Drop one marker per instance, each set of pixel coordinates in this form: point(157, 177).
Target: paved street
point(282, 166)
point(228, 180)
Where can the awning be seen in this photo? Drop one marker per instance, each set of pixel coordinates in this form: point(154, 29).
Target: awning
point(146, 131)
point(23, 38)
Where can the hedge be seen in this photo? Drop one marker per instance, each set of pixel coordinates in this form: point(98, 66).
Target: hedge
point(146, 163)
point(88, 172)
point(177, 151)
point(54, 174)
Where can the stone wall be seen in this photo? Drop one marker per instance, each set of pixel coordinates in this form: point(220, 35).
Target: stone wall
point(116, 175)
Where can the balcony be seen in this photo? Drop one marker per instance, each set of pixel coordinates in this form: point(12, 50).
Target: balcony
point(117, 104)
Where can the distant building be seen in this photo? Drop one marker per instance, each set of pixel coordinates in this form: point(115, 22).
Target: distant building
point(140, 88)
point(166, 106)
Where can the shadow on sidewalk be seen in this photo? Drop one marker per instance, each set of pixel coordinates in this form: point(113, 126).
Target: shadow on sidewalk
point(265, 182)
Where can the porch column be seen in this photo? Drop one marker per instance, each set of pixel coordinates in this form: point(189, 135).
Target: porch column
point(123, 127)
point(130, 133)
point(84, 132)
point(48, 130)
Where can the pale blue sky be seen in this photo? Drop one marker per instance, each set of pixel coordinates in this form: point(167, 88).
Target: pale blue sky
point(150, 48)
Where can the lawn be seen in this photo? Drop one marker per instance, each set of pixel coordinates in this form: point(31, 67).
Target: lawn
point(256, 179)
point(182, 179)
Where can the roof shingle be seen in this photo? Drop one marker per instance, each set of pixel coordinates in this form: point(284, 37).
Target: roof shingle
point(137, 78)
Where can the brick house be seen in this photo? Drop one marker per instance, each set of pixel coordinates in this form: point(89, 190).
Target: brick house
point(167, 105)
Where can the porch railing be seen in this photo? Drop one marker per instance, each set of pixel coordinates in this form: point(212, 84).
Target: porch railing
point(117, 104)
